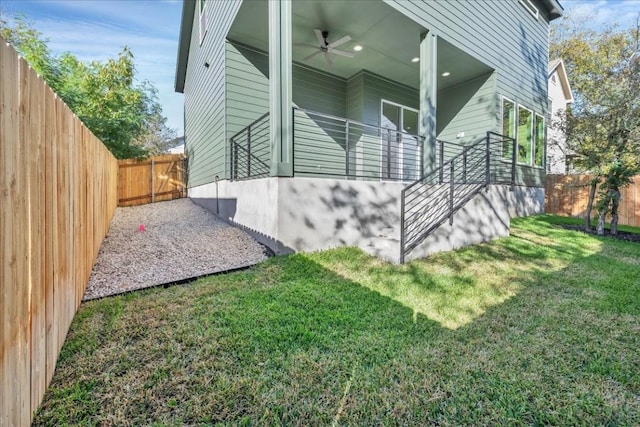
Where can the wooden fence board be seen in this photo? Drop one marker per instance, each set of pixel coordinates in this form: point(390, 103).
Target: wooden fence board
point(155, 179)
point(13, 402)
point(568, 195)
point(34, 143)
point(51, 221)
point(58, 193)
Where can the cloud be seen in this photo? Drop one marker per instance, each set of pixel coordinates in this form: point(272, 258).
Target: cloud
point(603, 13)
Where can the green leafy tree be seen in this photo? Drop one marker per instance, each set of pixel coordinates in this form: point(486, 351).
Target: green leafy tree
point(603, 124)
point(157, 137)
point(104, 95)
point(32, 46)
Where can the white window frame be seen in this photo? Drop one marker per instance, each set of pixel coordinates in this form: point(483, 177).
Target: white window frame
point(544, 141)
point(532, 133)
point(515, 122)
point(531, 8)
point(202, 18)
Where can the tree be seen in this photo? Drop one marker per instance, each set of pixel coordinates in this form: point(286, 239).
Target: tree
point(103, 95)
point(157, 137)
point(603, 125)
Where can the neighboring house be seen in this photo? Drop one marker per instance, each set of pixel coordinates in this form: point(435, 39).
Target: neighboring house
point(176, 150)
point(316, 124)
point(559, 97)
point(177, 145)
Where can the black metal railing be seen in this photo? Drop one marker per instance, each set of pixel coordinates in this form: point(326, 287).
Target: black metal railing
point(434, 198)
point(251, 151)
point(326, 145)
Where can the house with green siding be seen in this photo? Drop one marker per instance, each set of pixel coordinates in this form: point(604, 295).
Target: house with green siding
point(402, 127)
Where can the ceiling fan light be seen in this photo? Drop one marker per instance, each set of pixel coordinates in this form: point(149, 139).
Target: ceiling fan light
point(415, 59)
point(357, 48)
point(446, 74)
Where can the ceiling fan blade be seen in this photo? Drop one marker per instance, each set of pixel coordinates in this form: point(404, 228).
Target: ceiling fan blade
point(328, 58)
point(319, 37)
point(341, 52)
point(306, 58)
point(340, 41)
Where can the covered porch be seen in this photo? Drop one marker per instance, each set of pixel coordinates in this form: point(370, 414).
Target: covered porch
point(372, 111)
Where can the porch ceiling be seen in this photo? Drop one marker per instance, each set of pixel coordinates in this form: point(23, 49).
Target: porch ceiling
point(389, 40)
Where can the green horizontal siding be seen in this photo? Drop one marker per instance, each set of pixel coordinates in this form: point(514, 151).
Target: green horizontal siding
point(469, 107)
point(502, 34)
point(204, 94)
point(247, 98)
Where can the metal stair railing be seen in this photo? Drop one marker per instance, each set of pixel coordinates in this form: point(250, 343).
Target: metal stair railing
point(433, 199)
point(251, 151)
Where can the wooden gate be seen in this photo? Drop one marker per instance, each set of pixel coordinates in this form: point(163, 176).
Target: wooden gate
point(155, 179)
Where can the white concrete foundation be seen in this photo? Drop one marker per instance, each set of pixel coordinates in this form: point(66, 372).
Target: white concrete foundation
point(308, 214)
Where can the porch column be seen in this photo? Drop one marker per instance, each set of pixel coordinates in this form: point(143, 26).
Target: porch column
point(280, 72)
point(428, 93)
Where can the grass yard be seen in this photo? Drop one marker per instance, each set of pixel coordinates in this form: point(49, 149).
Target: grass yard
point(539, 328)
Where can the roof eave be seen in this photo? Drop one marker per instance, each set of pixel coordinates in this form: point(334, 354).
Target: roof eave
point(186, 26)
point(555, 9)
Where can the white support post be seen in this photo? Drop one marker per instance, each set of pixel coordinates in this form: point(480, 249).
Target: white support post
point(428, 98)
point(280, 92)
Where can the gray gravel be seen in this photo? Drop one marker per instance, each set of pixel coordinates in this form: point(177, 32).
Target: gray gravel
point(181, 240)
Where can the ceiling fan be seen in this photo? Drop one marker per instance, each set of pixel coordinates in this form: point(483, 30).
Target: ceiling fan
point(327, 48)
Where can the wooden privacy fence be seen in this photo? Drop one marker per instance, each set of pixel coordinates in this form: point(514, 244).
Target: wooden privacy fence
point(155, 179)
point(58, 192)
point(568, 195)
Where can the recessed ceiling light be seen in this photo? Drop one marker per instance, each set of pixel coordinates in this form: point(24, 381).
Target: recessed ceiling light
point(446, 74)
point(416, 59)
point(357, 48)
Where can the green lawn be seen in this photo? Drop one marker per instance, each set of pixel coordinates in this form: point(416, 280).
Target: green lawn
point(539, 328)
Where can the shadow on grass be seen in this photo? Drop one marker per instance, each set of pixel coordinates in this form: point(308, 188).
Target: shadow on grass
point(456, 287)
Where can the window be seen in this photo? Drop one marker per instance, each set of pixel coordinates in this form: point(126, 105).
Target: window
point(203, 19)
point(525, 135)
point(553, 78)
point(508, 126)
point(528, 4)
point(538, 147)
point(528, 128)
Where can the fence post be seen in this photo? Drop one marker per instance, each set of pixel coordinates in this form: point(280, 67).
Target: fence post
point(514, 160)
point(249, 152)
point(421, 172)
point(389, 153)
point(464, 165)
point(488, 160)
point(346, 145)
point(451, 190)
point(441, 161)
point(153, 172)
point(234, 160)
point(402, 236)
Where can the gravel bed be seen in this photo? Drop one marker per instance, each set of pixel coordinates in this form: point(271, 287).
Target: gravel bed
point(180, 240)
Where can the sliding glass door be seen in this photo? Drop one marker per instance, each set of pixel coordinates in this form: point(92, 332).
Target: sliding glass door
point(400, 151)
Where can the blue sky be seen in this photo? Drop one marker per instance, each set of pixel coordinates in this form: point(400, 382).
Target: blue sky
point(97, 29)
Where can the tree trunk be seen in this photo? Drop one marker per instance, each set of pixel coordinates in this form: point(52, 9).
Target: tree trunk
point(615, 202)
point(592, 196)
point(600, 229)
point(602, 213)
